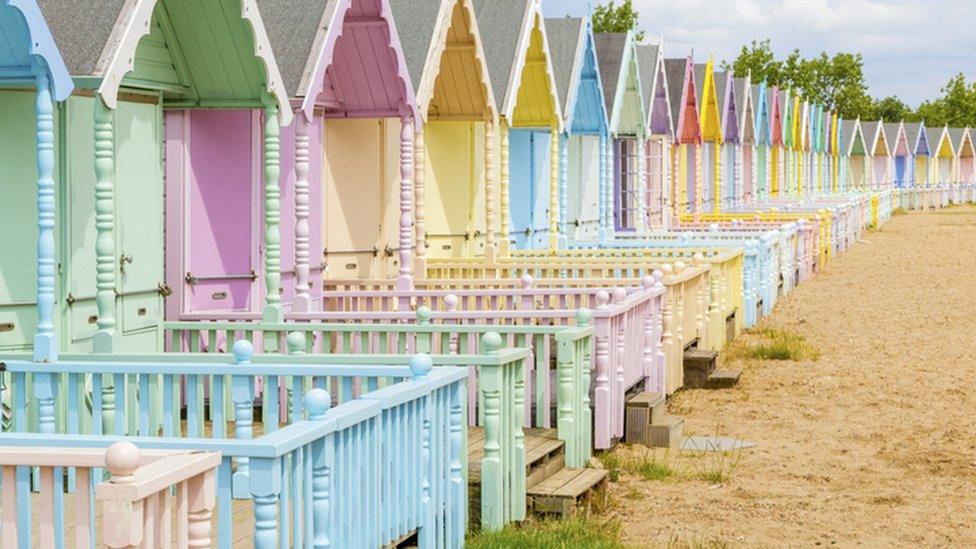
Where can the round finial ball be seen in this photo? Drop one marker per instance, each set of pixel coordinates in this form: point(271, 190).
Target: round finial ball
point(658, 275)
point(679, 266)
point(451, 301)
point(491, 341)
point(527, 280)
point(602, 297)
point(583, 317)
point(316, 402)
point(122, 459)
point(424, 314)
point(698, 258)
point(667, 268)
point(713, 227)
point(647, 281)
point(421, 365)
point(242, 350)
point(619, 293)
point(295, 342)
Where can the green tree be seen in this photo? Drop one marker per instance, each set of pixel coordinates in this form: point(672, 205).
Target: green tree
point(610, 17)
point(956, 107)
point(757, 59)
point(891, 109)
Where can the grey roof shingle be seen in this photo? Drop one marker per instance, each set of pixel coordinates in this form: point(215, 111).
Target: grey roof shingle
point(610, 53)
point(956, 135)
point(870, 131)
point(296, 31)
point(847, 129)
point(674, 70)
point(647, 62)
point(415, 22)
point(565, 36)
point(741, 90)
point(891, 133)
point(81, 30)
point(699, 83)
point(912, 130)
point(500, 22)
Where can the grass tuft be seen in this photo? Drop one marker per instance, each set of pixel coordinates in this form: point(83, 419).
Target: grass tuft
point(664, 465)
point(551, 534)
point(898, 211)
point(773, 344)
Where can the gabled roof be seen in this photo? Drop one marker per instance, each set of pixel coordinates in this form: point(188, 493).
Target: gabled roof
point(917, 138)
point(895, 132)
point(961, 137)
point(24, 37)
point(338, 57)
point(654, 85)
point(873, 133)
point(510, 31)
point(425, 30)
point(100, 38)
point(675, 70)
point(621, 79)
point(943, 142)
point(851, 132)
point(576, 71)
point(743, 101)
point(725, 91)
point(683, 93)
point(760, 100)
point(709, 104)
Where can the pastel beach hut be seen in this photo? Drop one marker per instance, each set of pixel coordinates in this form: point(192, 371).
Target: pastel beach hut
point(917, 138)
point(520, 69)
point(798, 127)
point(838, 154)
point(33, 81)
point(856, 154)
point(731, 144)
point(685, 154)
point(777, 153)
point(945, 154)
point(745, 171)
point(710, 115)
point(878, 151)
point(129, 65)
point(787, 155)
point(962, 140)
point(901, 153)
point(582, 194)
point(659, 132)
point(622, 94)
point(762, 151)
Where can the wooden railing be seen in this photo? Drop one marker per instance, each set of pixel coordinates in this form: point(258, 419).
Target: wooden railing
point(371, 471)
point(147, 496)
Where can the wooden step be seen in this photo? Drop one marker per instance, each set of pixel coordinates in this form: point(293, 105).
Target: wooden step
point(568, 491)
point(665, 433)
point(641, 412)
point(698, 364)
point(723, 379)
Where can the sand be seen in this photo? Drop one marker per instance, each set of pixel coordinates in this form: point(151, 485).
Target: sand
point(872, 444)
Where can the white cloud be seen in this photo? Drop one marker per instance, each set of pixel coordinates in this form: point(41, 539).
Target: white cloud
point(910, 47)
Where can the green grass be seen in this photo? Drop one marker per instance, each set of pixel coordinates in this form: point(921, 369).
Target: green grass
point(652, 469)
point(667, 466)
point(898, 211)
point(774, 344)
point(569, 534)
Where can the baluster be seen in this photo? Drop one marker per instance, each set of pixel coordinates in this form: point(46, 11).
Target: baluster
point(490, 244)
point(317, 404)
point(201, 491)
point(405, 280)
point(45, 341)
point(451, 304)
point(105, 261)
point(457, 500)
point(650, 342)
point(264, 487)
point(243, 396)
point(506, 221)
point(420, 212)
point(302, 300)
point(601, 393)
point(621, 361)
point(272, 216)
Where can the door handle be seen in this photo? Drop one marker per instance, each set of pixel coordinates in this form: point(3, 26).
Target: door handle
point(123, 259)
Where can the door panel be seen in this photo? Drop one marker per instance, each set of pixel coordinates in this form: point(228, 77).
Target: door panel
point(521, 168)
point(449, 186)
point(18, 246)
point(541, 155)
point(221, 211)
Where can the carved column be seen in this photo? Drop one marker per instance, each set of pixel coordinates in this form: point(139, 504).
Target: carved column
point(699, 183)
point(503, 190)
point(563, 183)
point(717, 174)
point(643, 223)
point(105, 261)
point(607, 190)
point(554, 168)
point(272, 213)
point(405, 280)
point(419, 203)
point(45, 340)
point(490, 244)
point(302, 301)
point(601, 194)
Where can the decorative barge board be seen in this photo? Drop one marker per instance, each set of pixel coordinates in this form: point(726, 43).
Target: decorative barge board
point(710, 163)
point(725, 187)
point(745, 161)
point(855, 153)
point(686, 154)
point(31, 296)
point(660, 135)
point(128, 64)
point(455, 153)
point(624, 103)
point(786, 158)
point(877, 143)
point(347, 182)
point(582, 195)
point(762, 148)
point(901, 153)
point(520, 68)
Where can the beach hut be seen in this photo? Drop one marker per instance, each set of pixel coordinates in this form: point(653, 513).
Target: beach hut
point(660, 134)
point(838, 154)
point(34, 79)
point(133, 65)
point(782, 120)
point(730, 148)
point(856, 154)
point(710, 115)
point(624, 101)
point(901, 153)
point(455, 150)
point(798, 136)
point(878, 151)
point(686, 153)
point(962, 141)
point(520, 69)
point(762, 99)
point(583, 216)
point(745, 172)
point(916, 137)
point(945, 154)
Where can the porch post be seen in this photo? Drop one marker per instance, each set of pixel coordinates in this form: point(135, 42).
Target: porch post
point(718, 176)
point(272, 214)
point(419, 212)
point(604, 181)
point(555, 162)
point(699, 149)
point(302, 301)
point(608, 188)
point(562, 183)
point(405, 280)
point(643, 223)
point(105, 260)
point(490, 244)
point(45, 340)
point(503, 181)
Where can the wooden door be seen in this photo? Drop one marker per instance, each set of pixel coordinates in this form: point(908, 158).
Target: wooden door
point(18, 244)
point(541, 177)
point(655, 181)
point(521, 175)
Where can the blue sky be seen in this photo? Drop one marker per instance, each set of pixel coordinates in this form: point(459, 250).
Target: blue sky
point(910, 47)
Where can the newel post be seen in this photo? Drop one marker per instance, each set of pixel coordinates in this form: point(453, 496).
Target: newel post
point(419, 203)
point(405, 279)
point(242, 391)
point(45, 340)
point(124, 517)
point(317, 403)
point(601, 392)
point(652, 338)
point(302, 300)
point(105, 261)
point(272, 214)
point(562, 183)
point(490, 244)
point(604, 181)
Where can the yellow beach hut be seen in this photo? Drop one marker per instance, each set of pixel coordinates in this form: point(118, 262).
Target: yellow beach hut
point(710, 121)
